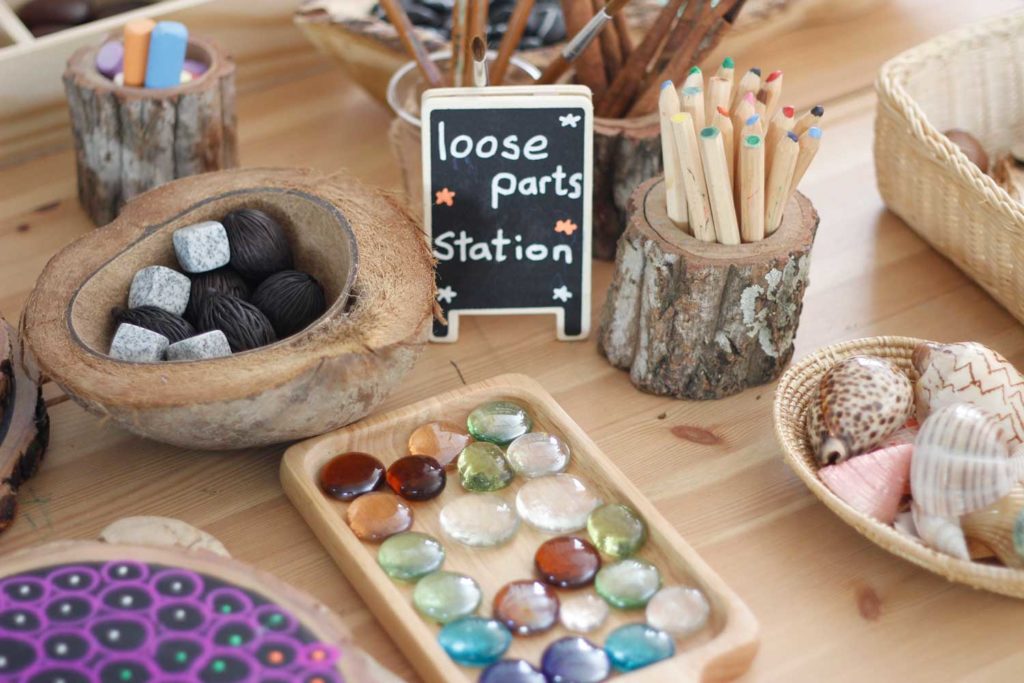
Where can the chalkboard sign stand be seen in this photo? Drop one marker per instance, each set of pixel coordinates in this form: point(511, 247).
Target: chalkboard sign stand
point(507, 178)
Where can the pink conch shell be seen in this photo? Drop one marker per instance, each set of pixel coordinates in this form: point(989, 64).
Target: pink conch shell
point(961, 462)
point(940, 533)
point(968, 372)
point(862, 401)
point(872, 484)
point(994, 526)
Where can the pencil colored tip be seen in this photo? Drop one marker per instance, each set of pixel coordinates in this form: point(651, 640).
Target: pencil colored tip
point(680, 117)
point(667, 84)
point(692, 90)
point(708, 132)
point(479, 48)
point(752, 140)
point(694, 70)
point(728, 63)
point(752, 120)
point(749, 97)
point(792, 136)
point(775, 75)
point(723, 111)
point(817, 110)
point(756, 69)
point(814, 132)
point(788, 112)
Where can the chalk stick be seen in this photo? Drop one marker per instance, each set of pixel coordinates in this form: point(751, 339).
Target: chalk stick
point(110, 58)
point(136, 51)
point(167, 46)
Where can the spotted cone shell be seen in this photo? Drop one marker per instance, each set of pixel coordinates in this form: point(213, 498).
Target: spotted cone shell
point(862, 401)
point(940, 533)
point(961, 462)
point(1000, 527)
point(969, 372)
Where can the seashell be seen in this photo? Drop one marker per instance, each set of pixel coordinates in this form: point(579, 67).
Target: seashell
point(969, 372)
point(863, 401)
point(872, 484)
point(904, 524)
point(961, 462)
point(1000, 527)
point(940, 533)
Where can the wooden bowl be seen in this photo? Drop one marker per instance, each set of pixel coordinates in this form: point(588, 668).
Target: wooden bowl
point(332, 373)
point(792, 398)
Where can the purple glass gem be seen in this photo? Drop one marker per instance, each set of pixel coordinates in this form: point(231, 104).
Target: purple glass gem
point(110, 58)
point(512, 671)
point(195, 67)
point(575, 660)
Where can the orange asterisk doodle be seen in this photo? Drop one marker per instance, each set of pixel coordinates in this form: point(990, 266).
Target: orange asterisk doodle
point(445, 196)
point(566, 226)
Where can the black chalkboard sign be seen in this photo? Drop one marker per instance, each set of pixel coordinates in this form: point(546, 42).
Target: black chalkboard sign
point(507, 202)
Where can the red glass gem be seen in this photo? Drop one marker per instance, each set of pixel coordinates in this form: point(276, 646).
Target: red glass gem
point(416, 477)
point(526, 607)
point(350, 475)
point(567, 562)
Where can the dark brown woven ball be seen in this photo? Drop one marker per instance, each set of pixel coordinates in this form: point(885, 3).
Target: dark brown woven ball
point(259, 246)
point(291, 300)
point(172, 326)
point(241, 322)
point(223, 281)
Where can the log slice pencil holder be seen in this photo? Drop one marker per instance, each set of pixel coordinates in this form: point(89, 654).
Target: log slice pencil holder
point(129, 140)
point(701, 320)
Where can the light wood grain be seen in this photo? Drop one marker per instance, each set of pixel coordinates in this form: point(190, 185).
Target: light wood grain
point(723, 651)
point(832, 606)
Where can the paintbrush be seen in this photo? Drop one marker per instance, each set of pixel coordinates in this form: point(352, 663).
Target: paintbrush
point(400, 20)
point(557, 68)
point(510, 41)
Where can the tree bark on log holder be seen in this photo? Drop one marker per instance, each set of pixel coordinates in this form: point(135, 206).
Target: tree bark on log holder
point(700, 320)
point(129, 140)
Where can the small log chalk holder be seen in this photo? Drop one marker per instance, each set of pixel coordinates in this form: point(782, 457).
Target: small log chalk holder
point(129, 140)
point(700, 320)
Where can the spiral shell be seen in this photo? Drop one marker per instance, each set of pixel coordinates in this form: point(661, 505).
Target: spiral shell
point(1000, 527)
point(940, 533)
point(969, 372)
point(961, 462)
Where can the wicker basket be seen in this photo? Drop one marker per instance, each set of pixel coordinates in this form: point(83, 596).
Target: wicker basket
point(970, 79)
point(792, 397)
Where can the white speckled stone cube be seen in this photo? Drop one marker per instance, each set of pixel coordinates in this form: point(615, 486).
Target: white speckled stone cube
point(202, 247)
point(211, 344)
point(137, 344)
point(162, 287)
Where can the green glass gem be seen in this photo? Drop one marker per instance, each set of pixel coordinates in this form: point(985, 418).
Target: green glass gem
point(616, 530)
point(628, 583)
point(219, 666)
point(483, 467)
point(499, 422)
point(1018, 534)
point(410, 555)
point(225, 609)
point(235, 639)
point(275, 619)
point(181, 656)
point(446, 596)
point(126, 674)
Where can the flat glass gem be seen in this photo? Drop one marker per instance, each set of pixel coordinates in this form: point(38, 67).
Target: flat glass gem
point(481, 521)
point(537, 454)
point(526, 607)
point(410, 555)
point(446, 596)
point(635, 646)
point(567, 562)
point(583, 612)
point(512, 671)
point(483, 467)
point(499, 422)
point(442, 441)
point(560, 503)
point(678, 610)
point(350, 475)
point(628, 583)
point(416, 477)
point(575, 660)
point(375, 516)
point(616, 530)
point(474, 641)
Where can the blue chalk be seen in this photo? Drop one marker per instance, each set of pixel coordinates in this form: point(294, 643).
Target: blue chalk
point(166, 54)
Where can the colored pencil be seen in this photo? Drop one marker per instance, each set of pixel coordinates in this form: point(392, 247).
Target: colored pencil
point(479, 49)
point(811, 118)
point(810, 141)
point(510, 41)
point(750, 188)
point(698, 206)
point(727, 70)
point(780, 180)
point(750, 82)
point(675, 194)
point(407, 33)
point(769, 94)
point(722, 122)
point(716, 174)
point(718, 96)
point(779, 125)
point(580, 41)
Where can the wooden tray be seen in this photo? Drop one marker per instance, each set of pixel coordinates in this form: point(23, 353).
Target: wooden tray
point(725, 649)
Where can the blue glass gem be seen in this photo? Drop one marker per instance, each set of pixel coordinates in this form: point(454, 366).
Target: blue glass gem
point(475, 641)
point(635, 646)
point(512, 671)
point(575, 660)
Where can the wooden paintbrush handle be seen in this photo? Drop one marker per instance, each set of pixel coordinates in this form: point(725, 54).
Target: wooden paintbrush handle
point(589, 65)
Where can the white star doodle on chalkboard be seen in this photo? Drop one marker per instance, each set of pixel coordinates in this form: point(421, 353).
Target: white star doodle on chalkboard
point(561, 294)
point(569, 120)
point(446, 294)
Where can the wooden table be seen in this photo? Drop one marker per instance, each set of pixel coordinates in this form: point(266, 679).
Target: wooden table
point(832, 606)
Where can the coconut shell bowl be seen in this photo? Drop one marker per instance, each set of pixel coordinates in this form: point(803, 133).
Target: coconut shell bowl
point(366, 251)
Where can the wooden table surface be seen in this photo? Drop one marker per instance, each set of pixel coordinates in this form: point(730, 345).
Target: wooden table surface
point(832, 606)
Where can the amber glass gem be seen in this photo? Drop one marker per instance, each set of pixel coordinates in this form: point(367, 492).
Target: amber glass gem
point(416, 477)
point(377, 516)
point(350, 475)
point(442, 441)
point(567, 562)
point(526, 607)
